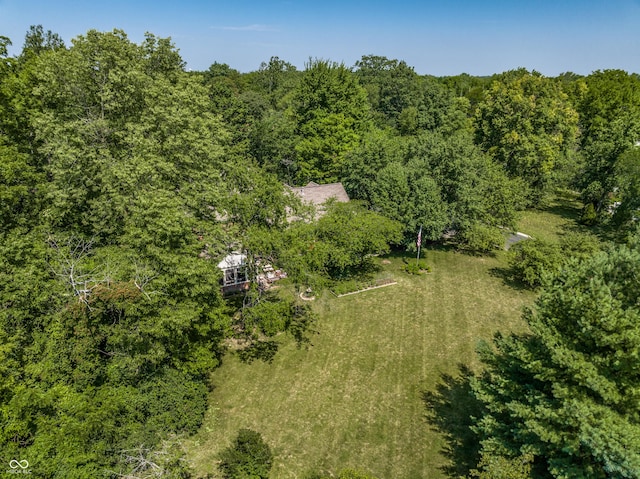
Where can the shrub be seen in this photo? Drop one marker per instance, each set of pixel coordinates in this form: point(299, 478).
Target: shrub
point(533, 259)
point(249, 457)
point(173, 402)
point(344, 474)
point(276, 313)
point(579, 245)
point(348, 286)
point(589, 215)
point(413, 267)
point(482, 239)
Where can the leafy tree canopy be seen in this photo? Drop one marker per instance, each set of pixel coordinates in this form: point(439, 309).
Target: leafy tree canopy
point(610, 123)
point(527, 124)
point(248, 458)
point(331, 113)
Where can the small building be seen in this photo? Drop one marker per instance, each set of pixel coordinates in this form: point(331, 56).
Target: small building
point(317, 195)
point(235, 277)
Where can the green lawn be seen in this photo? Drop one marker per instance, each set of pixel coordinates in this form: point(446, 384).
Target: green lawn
point(355, 397)
point(558, 217)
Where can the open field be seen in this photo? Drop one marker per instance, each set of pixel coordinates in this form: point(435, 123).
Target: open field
point(355, 397)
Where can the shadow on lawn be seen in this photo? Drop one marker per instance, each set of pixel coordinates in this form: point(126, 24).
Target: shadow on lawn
point(506, 275)
point(262, 350)
point(566, 209)
point(401, 251)
point(451, 410)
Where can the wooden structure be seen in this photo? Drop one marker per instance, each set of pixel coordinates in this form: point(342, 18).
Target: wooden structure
point(234, 273)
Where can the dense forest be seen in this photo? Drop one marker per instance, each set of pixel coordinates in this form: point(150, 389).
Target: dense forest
point(124, 179)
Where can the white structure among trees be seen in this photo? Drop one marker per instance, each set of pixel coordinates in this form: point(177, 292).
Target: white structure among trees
point(234, 273)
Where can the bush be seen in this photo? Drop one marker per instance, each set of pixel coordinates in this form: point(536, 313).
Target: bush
point(249, 457)
point(344, 474)
point(579, 245)
point(173, 402)
point(269, 315)
point(533, 259)
point(348, 286)
point(276, 313)
point(413, 267)
point(589, 215)
point(482, 239)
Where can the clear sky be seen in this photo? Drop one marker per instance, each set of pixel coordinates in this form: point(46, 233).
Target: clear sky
point(444, 37)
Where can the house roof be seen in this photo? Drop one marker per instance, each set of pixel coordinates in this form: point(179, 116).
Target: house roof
point(318, 194)
point(232, 260)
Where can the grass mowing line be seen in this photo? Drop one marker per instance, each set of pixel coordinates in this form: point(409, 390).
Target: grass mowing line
point(354, 398)
point(365, 289)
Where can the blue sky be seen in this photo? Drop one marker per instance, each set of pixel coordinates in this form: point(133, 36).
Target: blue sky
point(435, 37)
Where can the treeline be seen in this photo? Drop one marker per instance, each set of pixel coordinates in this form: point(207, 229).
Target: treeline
point(123, 178)
point(457, 153)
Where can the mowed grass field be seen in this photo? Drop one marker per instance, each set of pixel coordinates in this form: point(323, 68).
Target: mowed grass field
point(354, 398)
point(550, 223)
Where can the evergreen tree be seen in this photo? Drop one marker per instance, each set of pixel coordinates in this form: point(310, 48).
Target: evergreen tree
point(567, 394)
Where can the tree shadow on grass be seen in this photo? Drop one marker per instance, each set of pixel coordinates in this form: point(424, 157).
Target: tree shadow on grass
point(451, 410)
point(506, 275)
point(442, 246)
point(565, 209)
point(262, 350)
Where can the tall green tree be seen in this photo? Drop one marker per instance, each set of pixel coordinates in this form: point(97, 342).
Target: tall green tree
point(7, 72)
point(276, 78)
point(470, 87)
point(19, 192)
point(412, 198)
point(527, 124)
point(440, 181)
point(38, 41)
point(272, 142)
point(331, 112)
point(109, 307)
point(610, 123)
point(392, 86)
point(500, 467)
point(377, 149)
point(627, 177)
point(17, 88)
point(567, 393)
point(113, 125)
point(239, 107)
point(473, 186)
point(404, 100)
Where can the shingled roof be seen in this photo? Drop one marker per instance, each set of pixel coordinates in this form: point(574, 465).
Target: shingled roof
point(317, 194)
